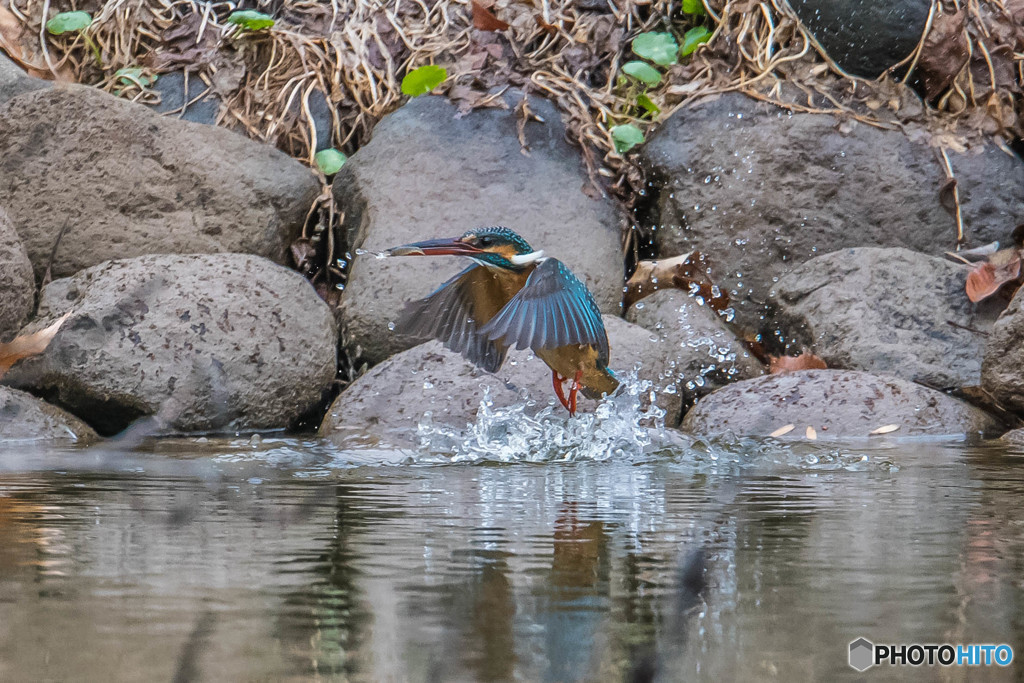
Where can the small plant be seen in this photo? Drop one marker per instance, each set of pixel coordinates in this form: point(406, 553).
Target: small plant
point(424, 79)
point(75, 22)
point(642, 71)
point(132, 75)
point(693, 39)
point(694, 7)
point(660, 48)
point(626, 137)
point(251, 20)
point(330, 161)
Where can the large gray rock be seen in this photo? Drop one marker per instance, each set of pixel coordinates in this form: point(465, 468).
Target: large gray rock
point(1002, 371)
point(203, 342)
point(127, 182)
point(23, 417)
point(14, 81)
point(836, 403)
point(429, 173)
point(865, 37)
point(887, 311)
point(390, 400)
point(759, 190)
point(16, 281)
point(706, 354)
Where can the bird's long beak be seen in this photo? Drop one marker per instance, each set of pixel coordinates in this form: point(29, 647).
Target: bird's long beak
point(448, 246)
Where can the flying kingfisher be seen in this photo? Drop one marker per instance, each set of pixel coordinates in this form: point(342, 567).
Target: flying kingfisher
point(513, 296)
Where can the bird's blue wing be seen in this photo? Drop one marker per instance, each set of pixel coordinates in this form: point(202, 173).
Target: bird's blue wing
point(453, 315)
point(553, 309)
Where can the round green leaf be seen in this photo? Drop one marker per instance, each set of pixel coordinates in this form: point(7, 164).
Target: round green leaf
point(330, 161)
point(660, 48)
point(626, 137)
point(424, 79)
point(695, 7)
point(642, 71)
point(693, 39)
point(251, 20)
point(68, 21)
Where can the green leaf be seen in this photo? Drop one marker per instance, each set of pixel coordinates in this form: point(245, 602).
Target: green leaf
point(424, 79)
point(648, 104)
point(134, 74)
point(626, 137)
point(660, 48)
point(693, 39)
point(68, 21)
point(330, 161)
point(642, 71)
point(251, 20)
point(695, 7)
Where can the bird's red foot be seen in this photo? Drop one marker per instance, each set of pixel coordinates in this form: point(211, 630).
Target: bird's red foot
point(573, 391)
point(557, 380)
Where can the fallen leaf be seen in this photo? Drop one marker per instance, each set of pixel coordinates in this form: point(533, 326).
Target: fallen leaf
point(485, 20)
point(550, 28)
point(944, 53)
point(28, 345)
point(884, 429)
point(785, 429)
point(985, 279)
point(689, 272)
point(14, 42)
point(810, 433)
point(805, 361)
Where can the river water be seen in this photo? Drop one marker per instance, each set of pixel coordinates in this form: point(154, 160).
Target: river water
point(267, 559)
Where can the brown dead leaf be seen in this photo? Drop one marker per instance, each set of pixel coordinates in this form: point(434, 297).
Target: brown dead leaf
point(550, 28)
point(783, 430)
point(944, 52)
point(485, 20)
point(810, 433)
point(28, 345)
point(985, 279)
point(805, 361)
point(15, 42)
point(689, 272)
point(884, 429)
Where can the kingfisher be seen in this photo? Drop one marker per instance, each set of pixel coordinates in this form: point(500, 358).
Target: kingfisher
point(513, 296)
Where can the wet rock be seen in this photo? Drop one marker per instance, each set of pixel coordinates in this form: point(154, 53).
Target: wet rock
point(865, 37)
point(204, 342)
point(887, 311)
point(392, 398)
point(759, 190)
point(127, 182)
point(706, 354)
point(16, 281)
point(1002, 370)
point(430, 173)
point(1014, 437)
point(187, 97)
point(836, 403)
point(23, 417)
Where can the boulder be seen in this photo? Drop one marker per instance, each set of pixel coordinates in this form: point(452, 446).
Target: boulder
point(16, 281)
point(836, 403)
point(429, 172)
point(391, 399)
point(204, 342)
point(865, 37)
point(759, 190)
point(23, 417)
point(707, 355)
point(887, 311)
point(125, 182)
point(14, 81)
point(1002, 369)
point(1014, 437)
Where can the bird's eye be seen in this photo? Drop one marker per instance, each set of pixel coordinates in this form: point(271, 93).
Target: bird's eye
point(485, 241)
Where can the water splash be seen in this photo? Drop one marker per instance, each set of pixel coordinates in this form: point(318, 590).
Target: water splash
point(625, 426)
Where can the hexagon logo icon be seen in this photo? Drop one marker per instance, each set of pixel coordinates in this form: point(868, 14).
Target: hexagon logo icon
point(862, 654)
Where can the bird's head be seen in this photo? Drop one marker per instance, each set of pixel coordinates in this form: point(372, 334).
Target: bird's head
point(494, 247)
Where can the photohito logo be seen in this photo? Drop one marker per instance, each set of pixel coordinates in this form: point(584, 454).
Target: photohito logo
point(864, 654)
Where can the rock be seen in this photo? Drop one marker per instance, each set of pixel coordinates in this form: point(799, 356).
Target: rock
point(16, 281)
point(23, 417)
point(1014, 437)
point(886, 311)
point(760, 190)
point(204, 342)
point(836, 403)
point(429, 173)
point(392, 398)
point(707, 354)
point(128, 182)
point(182, 96)
point(1002, 369)
point(865, 37)
point(14, 81)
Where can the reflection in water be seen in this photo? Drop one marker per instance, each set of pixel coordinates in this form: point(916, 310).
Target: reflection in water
point(188, 568)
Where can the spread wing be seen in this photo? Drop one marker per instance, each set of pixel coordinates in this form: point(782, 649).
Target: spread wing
point(453, 315)
point(553, 309)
